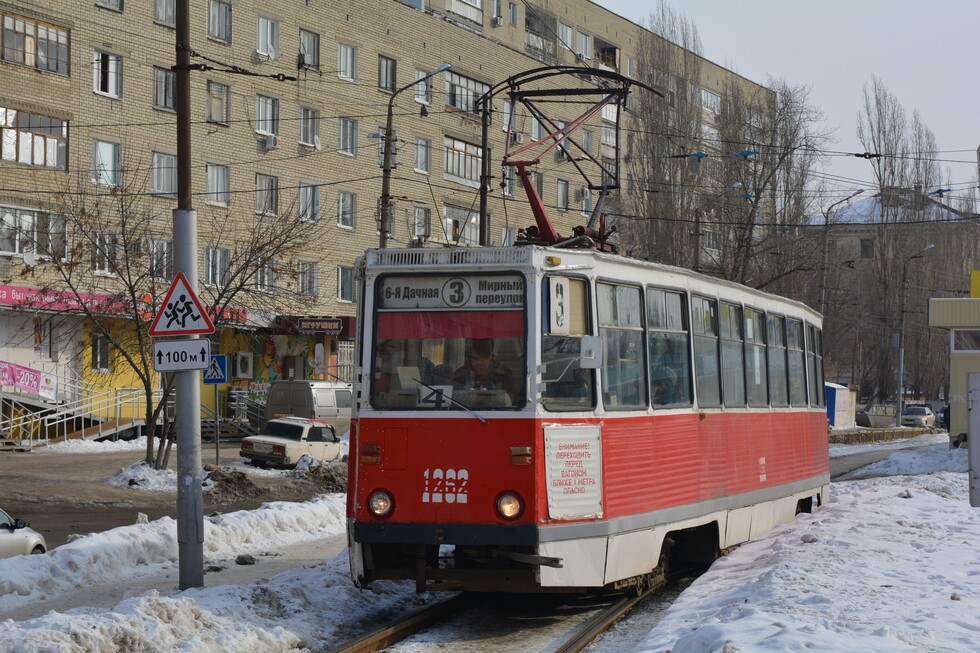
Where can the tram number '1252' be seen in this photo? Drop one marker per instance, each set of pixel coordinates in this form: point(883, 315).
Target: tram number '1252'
point(445, 486)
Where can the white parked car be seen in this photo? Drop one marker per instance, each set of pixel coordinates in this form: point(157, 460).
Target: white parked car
point(16, 538)
point(285, 440)
point(920, 416)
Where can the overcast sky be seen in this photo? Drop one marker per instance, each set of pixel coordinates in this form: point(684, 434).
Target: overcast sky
point(924, 53)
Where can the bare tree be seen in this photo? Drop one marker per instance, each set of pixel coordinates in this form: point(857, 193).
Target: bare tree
point(110, 257)
point(664, 152)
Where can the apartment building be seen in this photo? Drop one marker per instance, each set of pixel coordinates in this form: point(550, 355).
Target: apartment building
point(289, 103)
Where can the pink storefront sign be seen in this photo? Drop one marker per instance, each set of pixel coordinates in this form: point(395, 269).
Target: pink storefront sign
point(23, 378)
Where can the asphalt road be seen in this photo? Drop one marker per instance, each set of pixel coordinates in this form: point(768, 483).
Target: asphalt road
point(63, 493)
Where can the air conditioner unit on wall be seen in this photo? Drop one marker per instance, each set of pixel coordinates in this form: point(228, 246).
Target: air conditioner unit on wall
point(242, 365)
point(516, 138)
point(273, 142)
point(497, 21)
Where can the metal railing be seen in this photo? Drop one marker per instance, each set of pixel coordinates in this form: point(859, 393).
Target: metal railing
point(101, 412)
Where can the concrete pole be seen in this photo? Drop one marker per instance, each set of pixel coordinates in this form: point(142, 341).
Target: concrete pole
point(190, 494)
point(973, 434)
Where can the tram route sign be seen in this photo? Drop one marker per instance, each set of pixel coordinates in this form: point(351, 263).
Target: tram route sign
point(181, 355)
point(181, 313)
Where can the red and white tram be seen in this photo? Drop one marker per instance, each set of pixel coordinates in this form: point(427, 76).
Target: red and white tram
point(534, 418)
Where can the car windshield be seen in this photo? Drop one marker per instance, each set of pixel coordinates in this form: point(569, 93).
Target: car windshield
point(284, 430)
point(915, 410)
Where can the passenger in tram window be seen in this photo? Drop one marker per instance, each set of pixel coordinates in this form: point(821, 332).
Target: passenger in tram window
point(481, 371)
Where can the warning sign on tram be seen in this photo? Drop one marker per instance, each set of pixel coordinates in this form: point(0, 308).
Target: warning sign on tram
point(181, 314)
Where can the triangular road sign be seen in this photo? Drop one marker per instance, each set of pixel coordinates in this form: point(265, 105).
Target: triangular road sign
point(181, 314)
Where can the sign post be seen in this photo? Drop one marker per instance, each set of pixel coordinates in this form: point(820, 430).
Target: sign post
point(216, 372)
point(181, 315)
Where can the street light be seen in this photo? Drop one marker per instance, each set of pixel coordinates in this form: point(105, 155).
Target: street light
point(826, 239)
point(901, 334)
point(385, 204)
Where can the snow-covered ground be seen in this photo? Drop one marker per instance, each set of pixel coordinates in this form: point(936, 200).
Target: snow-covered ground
point(889, 565)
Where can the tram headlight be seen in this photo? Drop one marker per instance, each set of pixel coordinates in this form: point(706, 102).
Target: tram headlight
point(509, 505)
point(380, 503)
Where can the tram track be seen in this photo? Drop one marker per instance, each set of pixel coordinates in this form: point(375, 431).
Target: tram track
point(606, 612)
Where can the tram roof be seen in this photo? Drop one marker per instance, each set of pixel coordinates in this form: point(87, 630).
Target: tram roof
point(536, 257)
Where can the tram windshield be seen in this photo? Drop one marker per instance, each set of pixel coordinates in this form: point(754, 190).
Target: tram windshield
point(449, 343)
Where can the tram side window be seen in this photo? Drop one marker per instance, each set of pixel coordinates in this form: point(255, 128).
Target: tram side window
point(621, 330)
point(704, 326)
point(756, 378)
point(796, 367)
point(733, 372)
point(778, 391)
point(565, 385)
point(669, 344)
point(814, 363)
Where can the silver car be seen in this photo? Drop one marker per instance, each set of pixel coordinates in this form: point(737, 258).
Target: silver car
point(16, 538)
point(918, 416)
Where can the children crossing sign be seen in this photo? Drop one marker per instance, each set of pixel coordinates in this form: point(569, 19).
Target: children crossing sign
point(181, 313)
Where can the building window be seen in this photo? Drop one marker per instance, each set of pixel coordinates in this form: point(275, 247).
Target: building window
point(387, 74)
point(585, 200)
point(164, 12)
point(101, 362)
point(309, 49)
point(105, 253)
point(106, 163)
point(216, 266)
point(711, 101)
point(587, 141)
point(566, 36)
point(463, 160)
point(347, 62)
point(162, 264)
point(218, 189)
point(583, 45)
point(163, 88)
point(537, 178)
point(107, 74)
point(266, 194)
point(22, 230)
point(423, 155)
point(346, 205)
point(463, 92)
point(309, 126)
point(164, 177)
point(463, 225)
point(33, 139)
point(265, 275)
point(266, 115)
point(423, 87)
point(219, 103)
point(219, 20)
point(267, 37)
point(308, 273)
point(422, 223)
point(867, 248)
point(347, 140)
point(508, 181)
point(345, 283)
point(115, 5)
point(512, 13)
point(562, 195)
point(35, 44)
point(309, 202)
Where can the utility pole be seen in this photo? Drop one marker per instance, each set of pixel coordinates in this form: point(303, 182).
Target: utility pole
point(190, 495)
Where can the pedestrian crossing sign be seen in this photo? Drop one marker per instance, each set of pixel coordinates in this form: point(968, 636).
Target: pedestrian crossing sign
point(181, 313)
point(217, 370)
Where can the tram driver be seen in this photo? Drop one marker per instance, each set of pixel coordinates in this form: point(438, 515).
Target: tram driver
point(482, 372)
